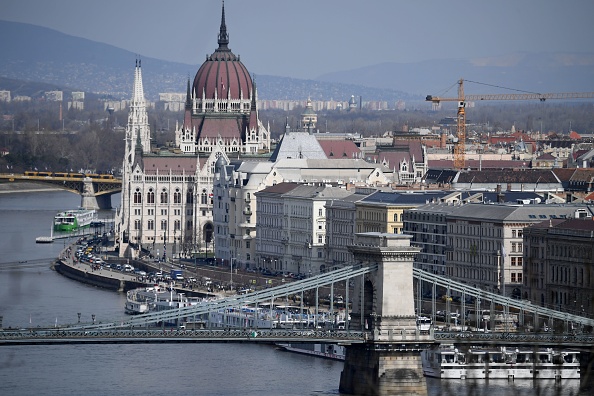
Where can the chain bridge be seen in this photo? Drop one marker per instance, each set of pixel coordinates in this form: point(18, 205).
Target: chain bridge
point(95, 189)
point(383, 334)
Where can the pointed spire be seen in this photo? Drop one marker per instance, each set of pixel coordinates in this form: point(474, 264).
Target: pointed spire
point(223, 35)
point(138, 95)
point(188, 94)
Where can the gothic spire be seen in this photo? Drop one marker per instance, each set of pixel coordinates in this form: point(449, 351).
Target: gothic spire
point(223, 35)
point(138, 95)
point(188, 95)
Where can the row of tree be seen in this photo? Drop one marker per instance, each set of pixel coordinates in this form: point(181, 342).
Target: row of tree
point(93, 139)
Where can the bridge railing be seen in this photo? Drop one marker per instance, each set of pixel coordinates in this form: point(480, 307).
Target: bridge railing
point(259, 297)
point(503, 301)
point(265, 335)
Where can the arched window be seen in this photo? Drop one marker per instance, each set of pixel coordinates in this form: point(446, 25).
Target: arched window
point(190, 196)
point(137, 224)
point(151, 225)
point(177, 196)
point(203, 198)
point(137, 196)
point(177, 225)
point(164, 196)
point(395, 216)
point(164, 225)
point(150, 196)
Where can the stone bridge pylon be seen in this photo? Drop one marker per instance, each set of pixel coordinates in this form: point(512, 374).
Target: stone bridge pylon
point(383, 303)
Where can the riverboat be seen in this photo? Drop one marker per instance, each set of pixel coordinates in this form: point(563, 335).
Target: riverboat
point(328, 351)
point(156, 298)
point(447, 362)
point(75, 219)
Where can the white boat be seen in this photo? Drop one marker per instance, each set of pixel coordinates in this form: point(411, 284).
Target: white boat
point(139, 301)
point(447, 362)
point(72, 220)
point(156, 298)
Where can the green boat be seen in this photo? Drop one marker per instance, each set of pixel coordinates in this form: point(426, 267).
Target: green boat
point(72, 220)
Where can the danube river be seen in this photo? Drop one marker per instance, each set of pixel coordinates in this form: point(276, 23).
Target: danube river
point(31, 295)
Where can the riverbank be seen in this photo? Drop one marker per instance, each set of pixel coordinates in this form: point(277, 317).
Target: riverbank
point(20, 187)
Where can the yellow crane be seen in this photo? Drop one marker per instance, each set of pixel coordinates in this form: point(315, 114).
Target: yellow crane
point(459, 147)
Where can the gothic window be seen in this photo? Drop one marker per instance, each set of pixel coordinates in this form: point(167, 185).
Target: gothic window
point(177, 196)
point(137, 196)
point(137, 224)
point(190, 196)
point(151, 225)
point(177, 225)
point(150, 196)
point(203, 198)
point(163, 225)
point(164, 196)
point(189, 225)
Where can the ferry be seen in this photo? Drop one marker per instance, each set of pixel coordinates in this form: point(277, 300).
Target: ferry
point(75, 219)
point(448, 362)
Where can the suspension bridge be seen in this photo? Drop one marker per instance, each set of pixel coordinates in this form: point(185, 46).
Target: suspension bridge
point(382, 334)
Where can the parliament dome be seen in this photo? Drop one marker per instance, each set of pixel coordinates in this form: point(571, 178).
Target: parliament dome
point(222, 75)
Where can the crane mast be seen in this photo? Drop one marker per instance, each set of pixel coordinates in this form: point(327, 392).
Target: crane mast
point(460, 146)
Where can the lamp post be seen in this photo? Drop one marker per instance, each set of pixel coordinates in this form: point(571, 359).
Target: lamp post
point(500, 265)
point(231, 282)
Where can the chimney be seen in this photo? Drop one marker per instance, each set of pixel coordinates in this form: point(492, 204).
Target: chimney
point(500, 197)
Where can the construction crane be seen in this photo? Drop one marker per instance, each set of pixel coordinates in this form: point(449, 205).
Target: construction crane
point(459, 147)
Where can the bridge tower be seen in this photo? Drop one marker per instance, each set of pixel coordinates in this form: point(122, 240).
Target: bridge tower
point(383, 303)
point(88, 198)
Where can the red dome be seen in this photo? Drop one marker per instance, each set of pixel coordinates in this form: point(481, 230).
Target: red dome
point(222, 72)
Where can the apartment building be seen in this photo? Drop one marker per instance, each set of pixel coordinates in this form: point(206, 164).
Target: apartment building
point(559, 264)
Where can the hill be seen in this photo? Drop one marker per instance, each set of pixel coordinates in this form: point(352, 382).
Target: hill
point(48, 56)
point(34, 53)
point(533, 72)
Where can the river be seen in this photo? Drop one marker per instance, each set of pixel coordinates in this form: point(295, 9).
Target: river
point(31, 295)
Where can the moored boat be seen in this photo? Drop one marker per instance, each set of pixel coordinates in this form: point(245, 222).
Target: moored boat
point(447, 362)
point(75, 219)
point(328, 351)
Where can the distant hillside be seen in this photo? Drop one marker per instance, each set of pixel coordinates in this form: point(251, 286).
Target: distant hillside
point(40, 54)
point(553, 72)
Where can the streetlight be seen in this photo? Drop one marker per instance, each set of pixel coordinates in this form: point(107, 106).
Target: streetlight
point(232, 259)
point(500, 265)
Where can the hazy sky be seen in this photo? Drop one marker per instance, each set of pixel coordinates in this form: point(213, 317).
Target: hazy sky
point(306, 38)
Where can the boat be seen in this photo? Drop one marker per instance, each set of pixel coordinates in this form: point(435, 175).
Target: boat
point(156, 298)
point(448, 362)
point(75, 219)
point(328, 351)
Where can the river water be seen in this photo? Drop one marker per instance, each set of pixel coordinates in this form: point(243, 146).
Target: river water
point(31, 295)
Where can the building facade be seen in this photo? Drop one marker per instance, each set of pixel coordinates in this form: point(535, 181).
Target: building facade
point(485, 245)
point(559, 265)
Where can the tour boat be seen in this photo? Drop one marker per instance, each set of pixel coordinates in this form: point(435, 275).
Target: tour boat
point(447, 362)
point(75, 219)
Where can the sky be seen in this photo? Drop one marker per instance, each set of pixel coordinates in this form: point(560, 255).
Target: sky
point(308, 38)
